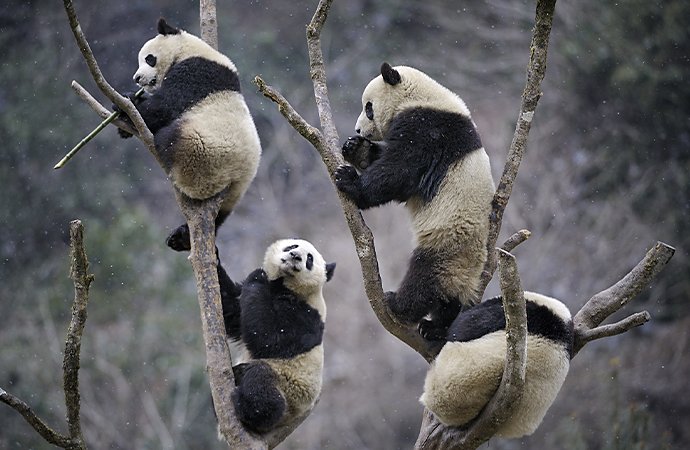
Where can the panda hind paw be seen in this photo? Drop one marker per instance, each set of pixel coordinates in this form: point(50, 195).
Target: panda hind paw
point(179, 239)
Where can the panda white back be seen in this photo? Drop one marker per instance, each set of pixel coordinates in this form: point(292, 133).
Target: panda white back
point(468, 370)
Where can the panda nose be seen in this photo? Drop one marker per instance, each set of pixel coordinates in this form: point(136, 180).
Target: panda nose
point(357, 130)
point(295, 256)
point(137, 78)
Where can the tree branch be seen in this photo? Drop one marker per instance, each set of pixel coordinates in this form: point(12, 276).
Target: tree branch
point(99, 109)
point(70, 367)
point(433, 434)
point(47, 433)
point(515, 240)
point(123, 103)
point(536, 68)
point(326, 143)
point(200, 217)
point(606, 302)
point(208, 22)
point(79, 266)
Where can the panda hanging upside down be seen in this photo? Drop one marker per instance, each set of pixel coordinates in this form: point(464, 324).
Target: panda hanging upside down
point(416, 143)
point(203, 131)
point(278, 315)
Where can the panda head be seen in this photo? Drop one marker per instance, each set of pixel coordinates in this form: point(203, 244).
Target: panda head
point(398, 89)
point(299, 264)
point(170, 46)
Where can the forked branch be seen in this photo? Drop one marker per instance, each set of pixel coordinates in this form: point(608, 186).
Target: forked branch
point(326, 143)
point(200, 216)
point(79, 275)
point(588, 320)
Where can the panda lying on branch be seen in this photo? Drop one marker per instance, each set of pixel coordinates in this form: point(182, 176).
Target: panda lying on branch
point(278, 315)
point(202, 128)
point(416, 143)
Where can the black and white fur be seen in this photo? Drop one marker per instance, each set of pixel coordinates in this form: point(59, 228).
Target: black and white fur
point(416, 143)
point(203, 131)
point(466, 373)
point(278, 314)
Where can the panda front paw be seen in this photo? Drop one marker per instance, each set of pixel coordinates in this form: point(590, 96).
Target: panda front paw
point(431, 331)
point(356, 151)
point(179, 239)
point(347, 180)
point(257, 276)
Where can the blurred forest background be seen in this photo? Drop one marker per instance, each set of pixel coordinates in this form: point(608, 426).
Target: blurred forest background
point(605, 176)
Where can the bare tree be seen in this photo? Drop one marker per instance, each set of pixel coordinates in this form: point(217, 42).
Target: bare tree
point(200, 217)
point(587, 322)
point(74, 439)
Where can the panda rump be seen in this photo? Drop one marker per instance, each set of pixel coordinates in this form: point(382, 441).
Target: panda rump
point(468, 370)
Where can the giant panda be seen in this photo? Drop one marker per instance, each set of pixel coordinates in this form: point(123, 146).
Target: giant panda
point(278, 315)
point(204, 134)
point(467, 372)
point(416, 143)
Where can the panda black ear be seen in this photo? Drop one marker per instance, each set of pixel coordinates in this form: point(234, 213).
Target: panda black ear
point(165, 29)
point(330, 268)
point(390, 75)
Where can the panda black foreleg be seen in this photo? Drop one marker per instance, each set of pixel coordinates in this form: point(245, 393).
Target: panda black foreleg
point(230, 301)
point(259, 404)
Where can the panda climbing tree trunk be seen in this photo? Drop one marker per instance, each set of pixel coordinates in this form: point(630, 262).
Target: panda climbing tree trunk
point(433, 434)
point(200, 217)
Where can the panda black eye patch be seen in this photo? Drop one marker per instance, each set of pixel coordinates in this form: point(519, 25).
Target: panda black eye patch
point(369, 110)
point(290, 247)
point(310, 261)
point(150, 60)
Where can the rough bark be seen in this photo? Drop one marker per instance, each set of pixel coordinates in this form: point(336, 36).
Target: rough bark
point(433, 434)
point(79, 275)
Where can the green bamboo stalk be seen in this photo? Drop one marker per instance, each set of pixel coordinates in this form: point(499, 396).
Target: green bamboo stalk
point(93, 134)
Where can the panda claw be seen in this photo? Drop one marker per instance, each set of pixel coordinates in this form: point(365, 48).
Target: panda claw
point(431, 332)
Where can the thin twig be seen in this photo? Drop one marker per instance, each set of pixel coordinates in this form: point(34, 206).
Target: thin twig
point(630, 322)
point(99, 109)
point(326, 143)
point(515, 240)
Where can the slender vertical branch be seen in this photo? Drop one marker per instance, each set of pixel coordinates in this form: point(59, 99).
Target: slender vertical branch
point(433, 434)
point(79, 275)
point(208, 22)
point(79, 266)
point(536, 69)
